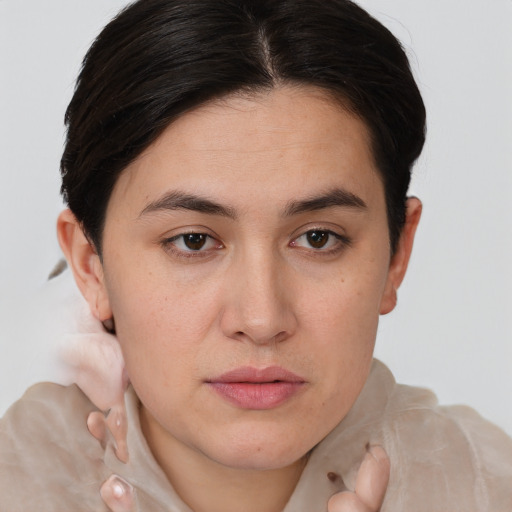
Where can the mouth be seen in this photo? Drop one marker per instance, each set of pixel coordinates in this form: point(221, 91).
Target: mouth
point(257, 389)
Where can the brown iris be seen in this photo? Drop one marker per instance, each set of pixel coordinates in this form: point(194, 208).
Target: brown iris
point(317, 239)
point(195, 241)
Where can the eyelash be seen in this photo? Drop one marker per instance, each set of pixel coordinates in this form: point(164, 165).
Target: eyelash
point(169, 244)
point(342, 242)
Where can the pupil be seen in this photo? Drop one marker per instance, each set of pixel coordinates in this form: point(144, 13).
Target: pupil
point(317, 239)
point(194, 241)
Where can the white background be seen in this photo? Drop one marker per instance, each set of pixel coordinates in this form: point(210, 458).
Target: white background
point(452, 330)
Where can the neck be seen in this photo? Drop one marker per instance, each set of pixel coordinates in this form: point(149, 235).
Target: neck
point(208, 486)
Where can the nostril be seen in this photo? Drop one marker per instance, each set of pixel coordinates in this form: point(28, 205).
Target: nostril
point(280, 336)
point(261, 338)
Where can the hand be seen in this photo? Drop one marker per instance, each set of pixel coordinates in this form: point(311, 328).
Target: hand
point(74, 347)
point(85, 353)
point(371, 484)
point(92, 358)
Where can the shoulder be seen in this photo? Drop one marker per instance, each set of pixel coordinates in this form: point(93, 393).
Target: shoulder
point(442, 458)
point(48, 459)
point(448, 457)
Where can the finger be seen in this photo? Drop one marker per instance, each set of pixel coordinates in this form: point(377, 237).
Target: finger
point(118, 495)
point(346, 502)
point(373, 477)
point(118, 426)
point(96, 426)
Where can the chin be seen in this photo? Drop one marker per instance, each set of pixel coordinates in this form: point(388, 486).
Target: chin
point(262, 454)
point(259, 461)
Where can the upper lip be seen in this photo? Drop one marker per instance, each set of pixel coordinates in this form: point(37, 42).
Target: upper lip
point(258, 375)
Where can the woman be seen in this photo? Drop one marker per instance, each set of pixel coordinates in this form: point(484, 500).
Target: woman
point(236, 174)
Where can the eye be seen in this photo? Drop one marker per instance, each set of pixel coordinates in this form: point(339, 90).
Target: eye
point(191, 244)
point(321, 240)
point(193, 241)
point(318, 239)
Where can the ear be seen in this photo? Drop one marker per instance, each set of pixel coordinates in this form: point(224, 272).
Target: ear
point(400, 258)
point(85, 263)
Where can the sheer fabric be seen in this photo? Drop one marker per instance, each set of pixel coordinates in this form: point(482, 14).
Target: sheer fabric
point(442, 458)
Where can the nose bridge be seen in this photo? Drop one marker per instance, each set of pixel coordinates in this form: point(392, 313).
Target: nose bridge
point(259, 307)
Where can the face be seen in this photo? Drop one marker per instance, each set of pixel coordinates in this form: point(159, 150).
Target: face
point(246, 260)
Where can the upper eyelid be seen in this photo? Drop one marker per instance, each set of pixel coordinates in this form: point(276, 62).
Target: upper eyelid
point(168, 245)
point(338, 236)
point(185, 233)
point(194, 230)
point(328, 228)
point(337, 231)
point(328, 231)
point(179, 235)
point(343, 241)
point(294, 235)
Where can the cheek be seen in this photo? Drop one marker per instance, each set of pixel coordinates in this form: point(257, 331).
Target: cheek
point(341, 321)
point(161, 324)
point(344, 305)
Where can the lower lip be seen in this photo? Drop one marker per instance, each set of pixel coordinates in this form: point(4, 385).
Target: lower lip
point(257, 396)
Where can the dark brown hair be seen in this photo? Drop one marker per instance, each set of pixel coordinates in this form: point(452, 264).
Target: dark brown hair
point(160, 58)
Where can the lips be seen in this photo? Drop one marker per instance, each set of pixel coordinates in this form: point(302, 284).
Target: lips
point(257, 389)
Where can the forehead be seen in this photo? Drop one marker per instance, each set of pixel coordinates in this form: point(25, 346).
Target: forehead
point(276, 119)
point(285, 142)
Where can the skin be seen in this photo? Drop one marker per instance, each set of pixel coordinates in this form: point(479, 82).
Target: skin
point(257, 293)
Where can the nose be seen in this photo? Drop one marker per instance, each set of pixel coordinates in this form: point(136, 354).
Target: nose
point(258, 303)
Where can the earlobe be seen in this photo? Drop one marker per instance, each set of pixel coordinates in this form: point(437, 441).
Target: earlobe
point(85, 263)
point(400, 259)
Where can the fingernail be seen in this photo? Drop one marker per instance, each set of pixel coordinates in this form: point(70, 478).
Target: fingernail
point(377, 452)
point(118, 490)
point(117, 494)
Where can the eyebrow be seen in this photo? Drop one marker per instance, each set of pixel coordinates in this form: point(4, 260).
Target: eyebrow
point(177, 200)
point(334, 197)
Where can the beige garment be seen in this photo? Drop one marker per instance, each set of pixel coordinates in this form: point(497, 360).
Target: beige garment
point(443, 459)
